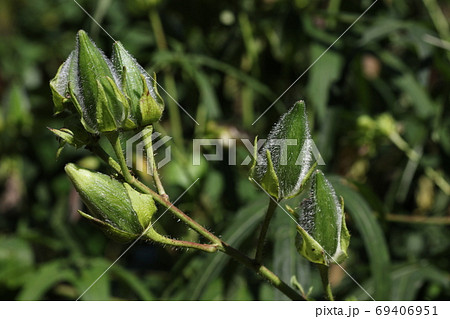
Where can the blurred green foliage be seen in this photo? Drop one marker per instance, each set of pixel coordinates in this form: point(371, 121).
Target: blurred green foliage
point(378, 103)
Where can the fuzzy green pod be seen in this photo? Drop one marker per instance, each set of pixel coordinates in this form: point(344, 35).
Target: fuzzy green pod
point(283, 164)
point(117, 208)
point(107, 97)
point(323, 237)
point(146, 104)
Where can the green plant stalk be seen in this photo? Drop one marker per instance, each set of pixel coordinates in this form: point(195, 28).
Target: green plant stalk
point(218, 244)
point(182, 243)
point(115, 143)
point(151, 161)
point(169, 82)
point(265, 226)
point(325, 281)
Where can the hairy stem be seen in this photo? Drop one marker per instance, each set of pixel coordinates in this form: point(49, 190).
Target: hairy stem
point(115, 143)
point(265, 226)
point(146, 133)
point(152, 235)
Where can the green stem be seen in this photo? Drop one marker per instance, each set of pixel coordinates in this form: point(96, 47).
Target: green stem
point(265, 226)
point(325, 282)
point(152, 235)
point(115, 143)
point(146, 133)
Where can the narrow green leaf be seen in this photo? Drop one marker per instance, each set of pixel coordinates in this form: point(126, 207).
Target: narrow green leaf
point(69, 137)
point(408, 279)
point(345, 237)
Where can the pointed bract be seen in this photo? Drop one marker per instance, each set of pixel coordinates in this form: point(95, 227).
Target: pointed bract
point(270, 181)
point(110, 230)
point(59, 85)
